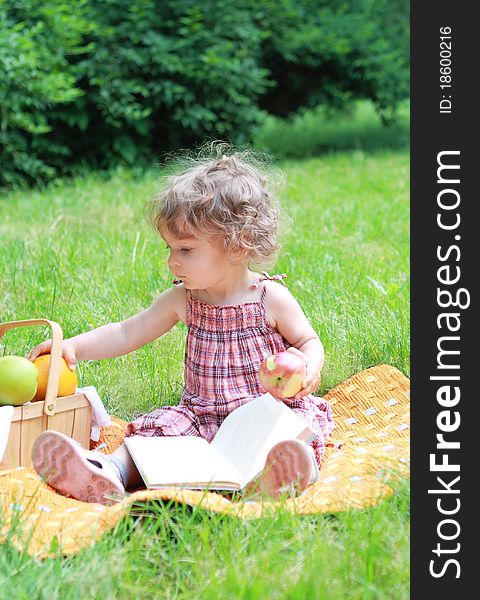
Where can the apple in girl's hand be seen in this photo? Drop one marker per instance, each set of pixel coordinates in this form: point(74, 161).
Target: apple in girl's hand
point(282, 374)
point(18, 380)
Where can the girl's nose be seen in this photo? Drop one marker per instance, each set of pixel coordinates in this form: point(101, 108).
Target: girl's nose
point(173, 263)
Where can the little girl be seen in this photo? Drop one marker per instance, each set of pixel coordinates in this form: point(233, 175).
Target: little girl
point(217, 218)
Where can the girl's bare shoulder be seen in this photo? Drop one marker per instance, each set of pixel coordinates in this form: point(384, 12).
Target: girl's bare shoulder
point(179, 297)
point(278, 298)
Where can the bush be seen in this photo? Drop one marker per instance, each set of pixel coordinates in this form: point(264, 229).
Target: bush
point(331, 52)
point(35, 39)
point(95, 83)
point(163, 74)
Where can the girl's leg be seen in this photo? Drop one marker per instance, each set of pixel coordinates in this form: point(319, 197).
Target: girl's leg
point(126, 467)
point(316, 469)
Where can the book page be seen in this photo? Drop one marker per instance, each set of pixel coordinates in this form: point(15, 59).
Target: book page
point(249, 432)
point(164, 461)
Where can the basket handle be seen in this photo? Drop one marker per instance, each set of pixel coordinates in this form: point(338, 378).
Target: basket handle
point(55, 357)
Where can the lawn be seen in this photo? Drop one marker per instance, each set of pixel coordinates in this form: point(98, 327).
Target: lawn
point(80, 252)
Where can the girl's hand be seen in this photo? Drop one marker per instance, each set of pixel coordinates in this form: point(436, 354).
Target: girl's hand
point(68, 352)
point(312, 376)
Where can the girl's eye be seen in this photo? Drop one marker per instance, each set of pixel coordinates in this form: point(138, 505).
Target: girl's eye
point(182, 249)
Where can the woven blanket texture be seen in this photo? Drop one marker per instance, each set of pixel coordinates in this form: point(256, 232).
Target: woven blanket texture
point(367, 450)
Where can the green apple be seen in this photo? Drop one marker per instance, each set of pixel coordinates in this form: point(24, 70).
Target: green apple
point(18, 380)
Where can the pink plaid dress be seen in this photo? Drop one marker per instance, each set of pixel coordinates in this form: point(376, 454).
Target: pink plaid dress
point(224, 348)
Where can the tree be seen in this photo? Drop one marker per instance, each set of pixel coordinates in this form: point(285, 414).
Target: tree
point(97, 82)
point(35, 40)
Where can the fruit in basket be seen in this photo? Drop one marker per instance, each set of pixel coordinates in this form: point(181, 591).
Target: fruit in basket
point(66, 384)
point(18, 380)
point(282, 374)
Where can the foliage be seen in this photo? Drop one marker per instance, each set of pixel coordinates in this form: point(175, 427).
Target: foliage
point(320, 131)
point(328, 52)
point(98, 82)
point(35, 41)
point(164, 74)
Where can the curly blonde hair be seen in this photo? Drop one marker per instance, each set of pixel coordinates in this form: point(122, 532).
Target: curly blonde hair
point(225, 194)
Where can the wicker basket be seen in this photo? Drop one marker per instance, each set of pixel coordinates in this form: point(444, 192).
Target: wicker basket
point(71, 415)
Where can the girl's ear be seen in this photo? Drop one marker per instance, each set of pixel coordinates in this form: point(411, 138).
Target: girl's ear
point(236, 257)
point(240, 255)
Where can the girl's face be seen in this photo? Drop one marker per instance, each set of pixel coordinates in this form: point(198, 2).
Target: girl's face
point(198, 262)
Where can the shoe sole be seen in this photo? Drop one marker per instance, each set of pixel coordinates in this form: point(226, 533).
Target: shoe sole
point(288, 467)
point(60, 462)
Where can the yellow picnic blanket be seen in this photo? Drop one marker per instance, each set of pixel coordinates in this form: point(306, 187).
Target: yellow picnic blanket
point(366, 452)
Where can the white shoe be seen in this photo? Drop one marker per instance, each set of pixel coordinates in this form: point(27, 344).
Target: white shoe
point(288, 468)
point(73, 471)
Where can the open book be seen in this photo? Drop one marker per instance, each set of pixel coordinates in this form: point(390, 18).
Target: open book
point(236, 454)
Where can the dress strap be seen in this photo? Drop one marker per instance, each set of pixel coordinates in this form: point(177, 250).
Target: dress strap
point(266, 276)
point(256, 283)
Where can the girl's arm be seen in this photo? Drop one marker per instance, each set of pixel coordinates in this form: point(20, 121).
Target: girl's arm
point(117, 339)
point(294, 326)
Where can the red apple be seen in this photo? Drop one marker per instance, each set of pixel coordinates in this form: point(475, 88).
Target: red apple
point(282, 374)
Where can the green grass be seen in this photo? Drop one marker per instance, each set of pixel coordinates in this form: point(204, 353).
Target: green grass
point(321, 131)
point(178, 552)
point(80, 252)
